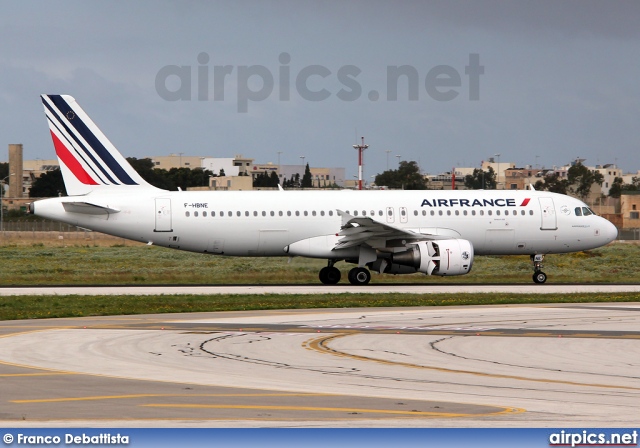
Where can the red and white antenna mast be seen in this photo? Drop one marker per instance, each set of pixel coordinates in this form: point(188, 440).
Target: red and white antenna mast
point(361, 147)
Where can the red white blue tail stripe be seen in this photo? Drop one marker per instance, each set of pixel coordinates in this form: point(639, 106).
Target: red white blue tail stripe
point(86, 156)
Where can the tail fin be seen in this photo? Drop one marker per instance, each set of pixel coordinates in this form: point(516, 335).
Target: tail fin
point(88, 160)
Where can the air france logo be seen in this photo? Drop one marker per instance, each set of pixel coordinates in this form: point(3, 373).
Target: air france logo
point(475, 203)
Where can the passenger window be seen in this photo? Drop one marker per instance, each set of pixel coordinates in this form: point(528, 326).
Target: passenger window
point(272, 213)
point(186, 214)
point(306, 213)
point(246, 213)
point(364, 213)
point(424, 213)
point(313, 213)
point(380, 212)
point(498, 212)
point(473, 213)
point(355, 213)
point(522, 212)
point(464, 213)
point(440, 212)
point(255, 213)
point(221, 213)
point(457, 213)
point(448, 212)
point(481, 212)
point(297, 213)
point(489, 212)
point(433, 212)
point(238, 214)
point(264, 213)
point(213, 214)
point(403, 212)
point(288, 213)
point(330, 212)
point(280, 213)
point(531, 212)
point(373, 213)
point(321, 212)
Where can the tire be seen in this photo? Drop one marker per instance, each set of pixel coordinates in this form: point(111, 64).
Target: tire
point(323, 275)
point(539, 277)
point(333, 275)
point(359, 276)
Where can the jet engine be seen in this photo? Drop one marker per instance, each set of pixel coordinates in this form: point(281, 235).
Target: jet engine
point(439, 257)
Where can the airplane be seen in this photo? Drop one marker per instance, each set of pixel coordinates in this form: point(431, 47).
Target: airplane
point(386, 231)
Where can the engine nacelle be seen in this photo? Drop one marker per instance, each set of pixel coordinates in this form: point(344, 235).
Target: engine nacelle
point(439, 257)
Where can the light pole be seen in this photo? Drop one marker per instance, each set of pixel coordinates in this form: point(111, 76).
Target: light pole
point(388, 151)
point(361, 147)
point(498, 173)
point(398, 156)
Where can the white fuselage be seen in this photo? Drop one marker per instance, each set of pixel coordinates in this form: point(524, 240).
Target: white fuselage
point(265, 223)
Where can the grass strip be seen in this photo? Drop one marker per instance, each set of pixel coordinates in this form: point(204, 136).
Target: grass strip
point(40, 307)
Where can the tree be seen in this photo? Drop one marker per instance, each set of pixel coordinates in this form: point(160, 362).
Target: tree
point(48, 185)
point(552, 182)
point(406, 177)
point(155, 176)
point(307, 180)
point(616, 187)
point(581, 179)
point(481, 180)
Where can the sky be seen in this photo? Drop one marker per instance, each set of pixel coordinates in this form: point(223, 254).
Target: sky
point(538, 82)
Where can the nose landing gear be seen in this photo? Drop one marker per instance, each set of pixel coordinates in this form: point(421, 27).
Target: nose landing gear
point(538, 276)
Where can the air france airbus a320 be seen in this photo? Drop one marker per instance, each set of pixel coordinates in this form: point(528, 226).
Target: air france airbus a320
point(395, 232)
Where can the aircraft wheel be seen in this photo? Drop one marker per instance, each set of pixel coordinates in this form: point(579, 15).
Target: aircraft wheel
point(329, 275)
point(539, 277)
point(359, 276)
point(333, 275)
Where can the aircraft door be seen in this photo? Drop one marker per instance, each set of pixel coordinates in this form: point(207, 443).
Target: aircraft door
point(549, 218)
point(163, 215)
point(390, 214)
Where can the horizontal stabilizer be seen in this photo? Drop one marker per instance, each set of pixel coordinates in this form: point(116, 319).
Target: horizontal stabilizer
point(87, 208)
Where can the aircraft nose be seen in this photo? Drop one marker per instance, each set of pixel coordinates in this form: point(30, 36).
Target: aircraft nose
point(610, 232)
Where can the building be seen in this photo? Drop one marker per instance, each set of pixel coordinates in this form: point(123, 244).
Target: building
point(630, 209)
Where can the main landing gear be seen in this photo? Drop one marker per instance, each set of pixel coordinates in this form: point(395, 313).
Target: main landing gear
point(538, 276)
point(359, 276)
point(330, 275)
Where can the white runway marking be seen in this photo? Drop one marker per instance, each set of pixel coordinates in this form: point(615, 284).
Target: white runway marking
point(318, 289)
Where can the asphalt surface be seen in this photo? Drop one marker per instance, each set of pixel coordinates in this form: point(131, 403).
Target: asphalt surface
point(494, 366)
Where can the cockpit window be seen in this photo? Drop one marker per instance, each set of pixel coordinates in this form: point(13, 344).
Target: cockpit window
point(578, 211)
point(586, 211)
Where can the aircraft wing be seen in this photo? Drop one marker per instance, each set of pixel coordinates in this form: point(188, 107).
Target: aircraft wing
point(357, 230)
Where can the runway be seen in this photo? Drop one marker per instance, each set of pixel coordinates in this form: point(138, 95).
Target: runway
point(485, 366)
point(456, 288)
